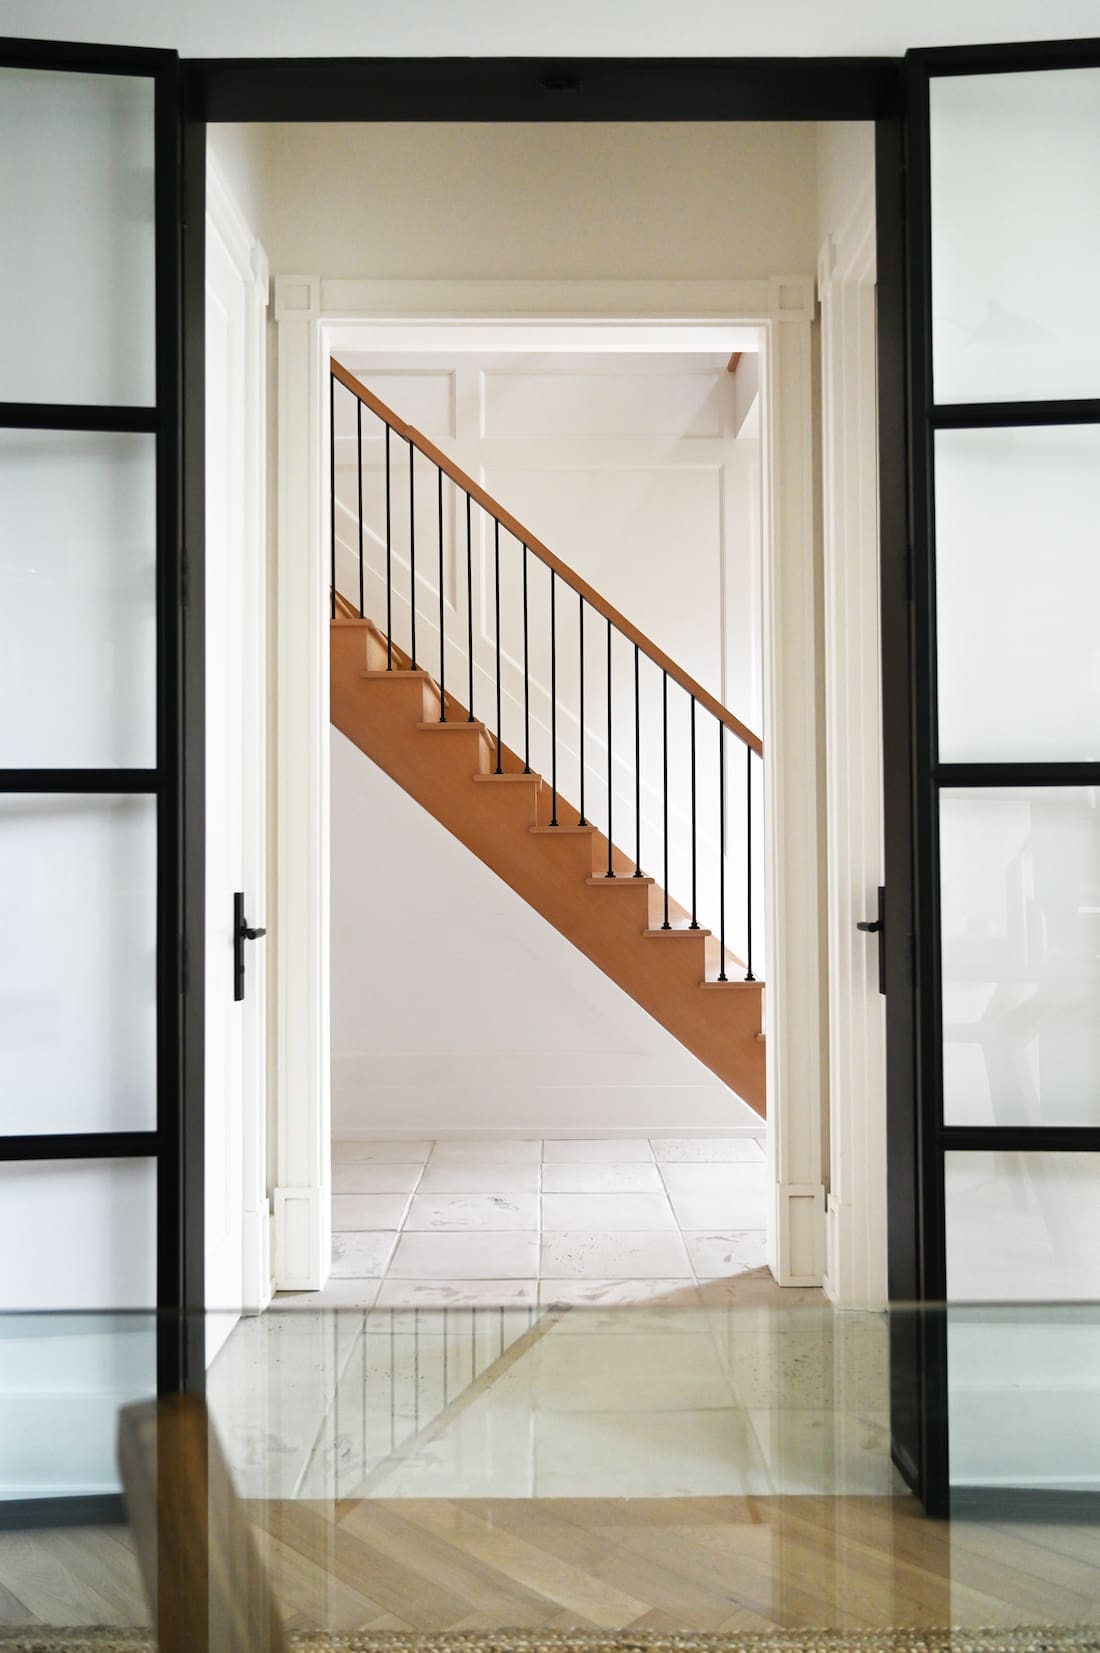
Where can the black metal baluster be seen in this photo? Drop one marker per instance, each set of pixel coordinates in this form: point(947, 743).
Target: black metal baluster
point(748, 863)
point(580, 611)
point(496, 600)
point(332, 479)
point(694, 925)
point(389, 556)
point(442, 618)
point(526, 679)
point(359, 462)
point(722, 851)
point(412, 553)
point(664, 743)
point(553, 704)
point(469, 616)
point(610, 759)
point(637, 772)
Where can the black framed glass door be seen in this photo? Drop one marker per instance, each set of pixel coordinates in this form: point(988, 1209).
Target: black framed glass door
point(1003, 1016)
point(91, 751)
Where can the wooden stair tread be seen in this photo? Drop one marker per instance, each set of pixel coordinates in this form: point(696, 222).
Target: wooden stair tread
point(664, 935)
point(512, 776)
point(734, 985)
point(560, 830)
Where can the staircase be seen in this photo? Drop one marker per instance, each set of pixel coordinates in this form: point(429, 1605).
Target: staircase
point(392, 656)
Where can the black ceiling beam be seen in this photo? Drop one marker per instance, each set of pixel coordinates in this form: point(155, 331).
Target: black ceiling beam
point(541, 89)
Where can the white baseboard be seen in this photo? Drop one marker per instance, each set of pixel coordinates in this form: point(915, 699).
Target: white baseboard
point(303, 1238)
point(577, 1110)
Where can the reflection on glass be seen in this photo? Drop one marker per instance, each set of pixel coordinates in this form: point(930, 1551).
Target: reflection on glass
point(1015, 235)
point(1020, 917)
point(77, 600)
point(63, 1378)
point(78, 965)
point(1024, 1381)
point(77, 276)
point(1017, 592)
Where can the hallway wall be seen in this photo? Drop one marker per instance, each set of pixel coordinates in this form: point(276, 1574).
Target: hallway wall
point(456, 1008)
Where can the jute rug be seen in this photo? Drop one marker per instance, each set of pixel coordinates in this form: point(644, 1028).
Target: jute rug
point(1042, 1639)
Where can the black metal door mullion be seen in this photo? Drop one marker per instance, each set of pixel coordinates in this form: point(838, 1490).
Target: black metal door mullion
point(178, 1199)
point(934, 1137)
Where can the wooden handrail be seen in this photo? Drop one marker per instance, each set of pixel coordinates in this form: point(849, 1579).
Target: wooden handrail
point(561, 569)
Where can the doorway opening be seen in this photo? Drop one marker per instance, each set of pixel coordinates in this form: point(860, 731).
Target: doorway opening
point(423, 312)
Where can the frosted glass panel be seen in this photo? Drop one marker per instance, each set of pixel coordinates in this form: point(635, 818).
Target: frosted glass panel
point(63, 1380)
point(1024, 1383)
point(78, 964)
point(1015, 235)
point(77, 205)
point(1018, 593)
point(78, 1234)
point(1023, 1227)
point(77, 600)
point(1020, 920)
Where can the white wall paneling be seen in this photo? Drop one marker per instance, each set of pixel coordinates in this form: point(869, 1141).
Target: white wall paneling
point(316, 314)
point(238, 1263)
point(856, 1222)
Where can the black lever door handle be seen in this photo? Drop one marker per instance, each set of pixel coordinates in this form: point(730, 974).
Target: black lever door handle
point(242, 932)
point(877, 927)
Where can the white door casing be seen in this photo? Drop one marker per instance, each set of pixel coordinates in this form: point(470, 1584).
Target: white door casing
point(238, 1272)
point(855, 1272)
point(310, 312)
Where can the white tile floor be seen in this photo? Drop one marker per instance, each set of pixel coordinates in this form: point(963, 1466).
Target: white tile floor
point(526, 1222)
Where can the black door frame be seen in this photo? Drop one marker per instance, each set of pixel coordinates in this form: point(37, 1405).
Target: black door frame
point(925, 416)
point(179, 742)
point(536, 90)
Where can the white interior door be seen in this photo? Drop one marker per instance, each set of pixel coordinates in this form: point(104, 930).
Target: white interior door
point(237, 1268)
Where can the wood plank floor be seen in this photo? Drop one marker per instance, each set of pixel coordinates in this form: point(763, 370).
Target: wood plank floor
point(597, 1563)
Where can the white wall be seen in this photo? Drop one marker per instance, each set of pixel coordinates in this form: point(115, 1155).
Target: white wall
point(457, 1008)
point(615, 28)
point(521, 200)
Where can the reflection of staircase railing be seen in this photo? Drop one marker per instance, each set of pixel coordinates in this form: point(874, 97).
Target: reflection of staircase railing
point(704, 815)
point(411, 1369)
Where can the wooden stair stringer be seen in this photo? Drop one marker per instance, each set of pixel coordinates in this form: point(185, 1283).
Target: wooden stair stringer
point(501, 824)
